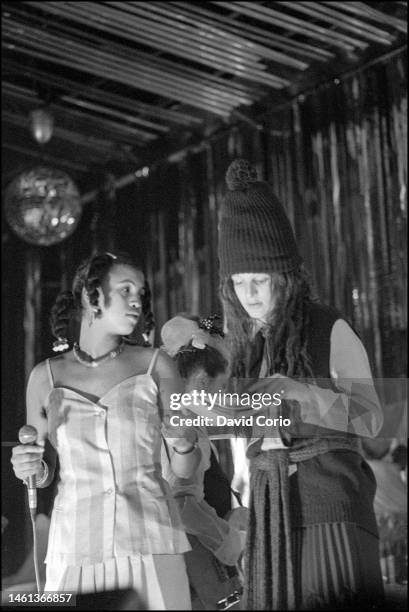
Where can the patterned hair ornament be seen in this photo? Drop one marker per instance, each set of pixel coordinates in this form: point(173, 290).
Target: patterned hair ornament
point(209, 324)
point(60, 345)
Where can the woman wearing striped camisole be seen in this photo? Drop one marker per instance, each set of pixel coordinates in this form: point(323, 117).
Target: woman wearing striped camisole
point(102, 407)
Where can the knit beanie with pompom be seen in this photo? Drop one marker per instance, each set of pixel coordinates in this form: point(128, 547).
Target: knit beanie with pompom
point(255, 234)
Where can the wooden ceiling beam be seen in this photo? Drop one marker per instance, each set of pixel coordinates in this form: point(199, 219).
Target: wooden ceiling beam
point(33, 39)
point(368, 12)
point(250, 32)
point(43, 157)
point(99, 108)
point(89, 142)
point(18, 92)
point(102, 63)
point(100, 94)
point(145, 58)
point(136, 22)
point(220, 37)
point(293, 24)
point(340, 20)
point(153, 34)
point(247, 70)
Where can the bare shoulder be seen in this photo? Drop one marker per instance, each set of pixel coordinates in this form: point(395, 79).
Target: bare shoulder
point(59, 365)
point(38, 386)
point(39, 376)
point(343, 335)
point(142, 357)
point(167, 376)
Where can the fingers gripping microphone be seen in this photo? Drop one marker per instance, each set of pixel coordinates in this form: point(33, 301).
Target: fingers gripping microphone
point(28, 435)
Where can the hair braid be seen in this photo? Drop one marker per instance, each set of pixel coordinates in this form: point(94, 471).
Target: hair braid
point(149, 321)
point(98, 268)
point(61, 314)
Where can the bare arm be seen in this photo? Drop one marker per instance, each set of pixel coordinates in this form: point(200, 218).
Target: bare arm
point(27, 459)
point(353, 408)
point(184, 453)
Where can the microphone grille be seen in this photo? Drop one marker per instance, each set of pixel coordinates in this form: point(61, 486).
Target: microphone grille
point(27, 434)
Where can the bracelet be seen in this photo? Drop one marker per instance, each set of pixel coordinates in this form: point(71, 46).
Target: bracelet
point(40, 481)
point(186, 452)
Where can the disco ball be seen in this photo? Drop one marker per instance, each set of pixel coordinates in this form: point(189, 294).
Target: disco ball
point(43, 206)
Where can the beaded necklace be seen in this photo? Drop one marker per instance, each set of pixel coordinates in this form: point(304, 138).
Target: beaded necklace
point(90, 362)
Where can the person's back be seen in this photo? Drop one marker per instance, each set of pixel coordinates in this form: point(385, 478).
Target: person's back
point(217, 545)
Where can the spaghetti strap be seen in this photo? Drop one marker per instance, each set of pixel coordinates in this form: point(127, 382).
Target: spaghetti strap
point(152, 363)
point(165, 444)
point(49, 372)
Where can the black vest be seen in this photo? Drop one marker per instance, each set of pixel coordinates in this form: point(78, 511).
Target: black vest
point(321, 321)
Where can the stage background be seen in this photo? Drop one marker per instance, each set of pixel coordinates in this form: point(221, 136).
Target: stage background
point(337, 158)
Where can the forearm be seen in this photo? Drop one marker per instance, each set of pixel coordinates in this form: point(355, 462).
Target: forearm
point(185, 459)
point(45, 475)
point(354, 408)
point(352, 377)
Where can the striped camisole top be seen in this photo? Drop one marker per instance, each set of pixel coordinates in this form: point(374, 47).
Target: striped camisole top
point(112, 500)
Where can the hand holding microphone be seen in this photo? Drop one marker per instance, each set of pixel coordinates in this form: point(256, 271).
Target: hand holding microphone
point(28, 465)
point(27, 461)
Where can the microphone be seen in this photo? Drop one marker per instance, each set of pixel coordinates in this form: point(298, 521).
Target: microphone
point(28, 435)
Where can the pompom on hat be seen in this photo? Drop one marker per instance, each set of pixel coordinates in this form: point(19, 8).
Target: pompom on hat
point(255, 234)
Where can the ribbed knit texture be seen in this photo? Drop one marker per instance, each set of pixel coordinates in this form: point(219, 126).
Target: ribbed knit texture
point(337, 485)
point(268, 559)
point(332, 485)
point(255, 234)
point(268, 566)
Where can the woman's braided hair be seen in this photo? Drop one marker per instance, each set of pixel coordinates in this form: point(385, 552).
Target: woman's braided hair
point(61, 315)
point(149, 321)
point(209, 360)
point(90, 276)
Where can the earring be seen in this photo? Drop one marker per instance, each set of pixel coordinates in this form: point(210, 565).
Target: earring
point(92, 313)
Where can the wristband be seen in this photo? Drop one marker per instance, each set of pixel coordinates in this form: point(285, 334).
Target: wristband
point(186, 452)
point(40, 481)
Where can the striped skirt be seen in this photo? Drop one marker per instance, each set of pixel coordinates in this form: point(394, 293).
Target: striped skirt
point(337, 566)
point(160, 581)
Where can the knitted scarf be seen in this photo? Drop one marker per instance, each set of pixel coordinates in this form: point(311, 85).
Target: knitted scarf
point(270, 581)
